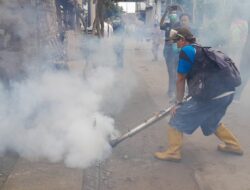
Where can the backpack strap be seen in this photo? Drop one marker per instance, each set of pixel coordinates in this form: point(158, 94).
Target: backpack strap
point(202, 48)
point(184, 56)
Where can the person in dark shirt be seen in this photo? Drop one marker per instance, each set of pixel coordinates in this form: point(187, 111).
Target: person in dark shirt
point(204, 113)
point(68, 8)
point(119, 31)
point(170, 50)
point(156, 36)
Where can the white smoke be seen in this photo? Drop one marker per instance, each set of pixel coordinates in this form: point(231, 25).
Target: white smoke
point(214, 19)
point(225, 25)
point(57, 116)
point(63, 115)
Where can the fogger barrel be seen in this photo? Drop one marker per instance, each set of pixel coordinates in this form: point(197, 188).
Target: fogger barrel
point(158, 116)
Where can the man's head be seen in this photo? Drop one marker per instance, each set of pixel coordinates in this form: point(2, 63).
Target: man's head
point(185, 20)
point(182, 36)
point(173, 17)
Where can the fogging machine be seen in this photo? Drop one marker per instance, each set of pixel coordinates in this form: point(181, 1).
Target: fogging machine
point(156, 117)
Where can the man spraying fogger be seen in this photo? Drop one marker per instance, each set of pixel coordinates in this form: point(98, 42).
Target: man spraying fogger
point(212, 90)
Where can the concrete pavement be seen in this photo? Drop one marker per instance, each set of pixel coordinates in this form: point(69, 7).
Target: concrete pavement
point(132, 165)
point(43, 175)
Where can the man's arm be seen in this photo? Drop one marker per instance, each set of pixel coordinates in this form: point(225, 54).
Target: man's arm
point(164, 16)
point(180, 87)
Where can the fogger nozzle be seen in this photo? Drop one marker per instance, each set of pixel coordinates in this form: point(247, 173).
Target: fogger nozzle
point(114, 142)
point(156, 117)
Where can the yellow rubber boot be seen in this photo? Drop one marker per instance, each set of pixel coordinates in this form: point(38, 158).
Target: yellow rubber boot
point(173, 152)
point(231, 145)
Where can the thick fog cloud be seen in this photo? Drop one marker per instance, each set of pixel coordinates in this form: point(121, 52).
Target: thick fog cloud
point(61, 115)
point(216, 18)
point(225, 25)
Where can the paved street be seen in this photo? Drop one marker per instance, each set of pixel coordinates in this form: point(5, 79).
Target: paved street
point(132, 165)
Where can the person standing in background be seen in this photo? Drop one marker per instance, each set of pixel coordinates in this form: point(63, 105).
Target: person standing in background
point(186, 22)
point(156, 40)
point(108, 29)
point(119, 32)
point(170, 50)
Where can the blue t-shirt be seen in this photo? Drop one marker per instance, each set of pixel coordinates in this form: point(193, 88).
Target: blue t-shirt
point(186, 59)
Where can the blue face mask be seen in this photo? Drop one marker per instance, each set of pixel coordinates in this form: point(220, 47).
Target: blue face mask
point(173, 18)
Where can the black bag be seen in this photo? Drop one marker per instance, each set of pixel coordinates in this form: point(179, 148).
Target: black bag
point(212, 73)
point(228, 69)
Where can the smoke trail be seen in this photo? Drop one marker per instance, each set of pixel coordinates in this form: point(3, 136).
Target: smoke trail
point(62, 115)
point(59, 115)
point(56, 116)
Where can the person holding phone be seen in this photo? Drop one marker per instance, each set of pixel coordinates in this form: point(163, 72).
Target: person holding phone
point(170, 50)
